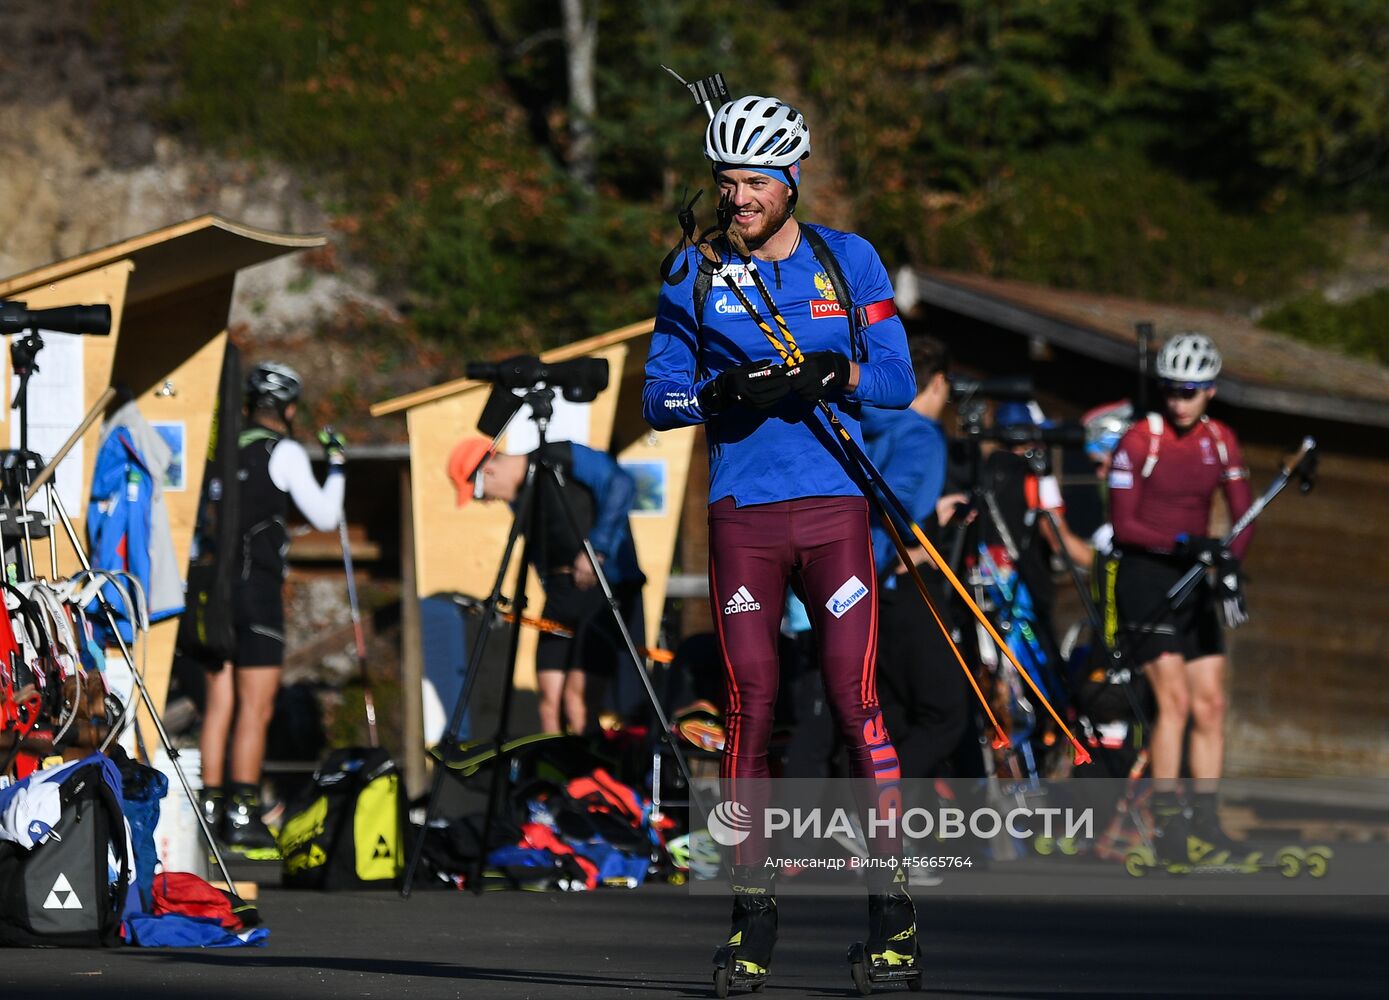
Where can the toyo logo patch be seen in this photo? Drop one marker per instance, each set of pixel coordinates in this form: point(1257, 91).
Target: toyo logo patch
point(825, 309)
point(850, 593)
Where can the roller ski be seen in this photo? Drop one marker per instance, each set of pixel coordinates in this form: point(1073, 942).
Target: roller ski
point(1294, 860)
point(1290, 861)
point(1177, 847)
point(1196, 845)
point(892, 953)
point(744, 962)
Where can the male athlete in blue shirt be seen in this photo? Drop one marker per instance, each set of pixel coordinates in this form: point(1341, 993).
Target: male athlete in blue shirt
point(785, 504)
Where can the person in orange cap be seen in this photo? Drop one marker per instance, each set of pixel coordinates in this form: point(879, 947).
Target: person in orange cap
point(572, 674)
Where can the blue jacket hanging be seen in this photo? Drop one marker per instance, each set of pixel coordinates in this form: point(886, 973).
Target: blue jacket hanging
point(118, 523)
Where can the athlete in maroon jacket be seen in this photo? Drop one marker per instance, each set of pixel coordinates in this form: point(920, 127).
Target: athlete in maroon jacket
point(1164, 475)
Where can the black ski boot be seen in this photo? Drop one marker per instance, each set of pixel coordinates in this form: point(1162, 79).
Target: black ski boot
point(1170, 829)
point(213, 804)
point(243, 831)
point(745, 961)
point(892, 954)
point(1209, 846)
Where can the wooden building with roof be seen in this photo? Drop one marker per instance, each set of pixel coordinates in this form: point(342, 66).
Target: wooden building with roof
point(1306, 693)
point(170, 292)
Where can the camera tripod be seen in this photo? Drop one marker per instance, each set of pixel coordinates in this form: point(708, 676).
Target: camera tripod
point(540, 468)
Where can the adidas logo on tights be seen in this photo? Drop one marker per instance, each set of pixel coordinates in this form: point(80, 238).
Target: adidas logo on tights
point(741, 601)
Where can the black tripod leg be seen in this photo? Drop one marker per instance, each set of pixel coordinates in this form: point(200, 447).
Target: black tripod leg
point(500, 766)
point(475, 655)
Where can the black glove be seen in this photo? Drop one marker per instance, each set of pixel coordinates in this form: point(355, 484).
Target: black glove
point(334, 447)
point(759, 385)
point(821, 374)
point(1199, 548)
point(1229, 592)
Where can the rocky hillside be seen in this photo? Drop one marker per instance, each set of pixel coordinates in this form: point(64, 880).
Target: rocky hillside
point(86, 165)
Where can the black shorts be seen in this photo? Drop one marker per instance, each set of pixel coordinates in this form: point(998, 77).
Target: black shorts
point(597, 647)
point(258, 611)
point(1148, 625)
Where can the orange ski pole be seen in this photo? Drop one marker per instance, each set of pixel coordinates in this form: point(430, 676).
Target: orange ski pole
point(791, 354)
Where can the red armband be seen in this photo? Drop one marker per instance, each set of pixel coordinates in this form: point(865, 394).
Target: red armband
point(873, 313)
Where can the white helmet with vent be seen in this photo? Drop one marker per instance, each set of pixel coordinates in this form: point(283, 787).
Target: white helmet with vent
point(757, 132)
point(1189, 357)
point(273, 381)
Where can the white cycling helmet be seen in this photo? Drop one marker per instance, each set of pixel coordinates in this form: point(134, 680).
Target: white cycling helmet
point(273, 381)
point(1105, 426)
point(1189, 357)
point(757, 131)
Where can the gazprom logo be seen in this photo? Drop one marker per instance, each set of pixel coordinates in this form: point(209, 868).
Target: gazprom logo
point(725, 306)
point(850, 593)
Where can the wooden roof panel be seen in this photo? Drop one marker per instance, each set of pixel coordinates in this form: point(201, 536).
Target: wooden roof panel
point(1263, 369)
point(182, 255)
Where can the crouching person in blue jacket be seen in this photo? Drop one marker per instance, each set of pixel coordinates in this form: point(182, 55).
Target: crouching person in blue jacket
point(273, 468)
point(572, 674)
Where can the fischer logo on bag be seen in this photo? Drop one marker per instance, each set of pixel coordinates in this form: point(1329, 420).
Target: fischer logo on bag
point(62, 896)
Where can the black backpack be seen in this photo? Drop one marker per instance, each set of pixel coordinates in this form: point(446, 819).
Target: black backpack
point(206, 631)
point(61, 892)
point(347, 831)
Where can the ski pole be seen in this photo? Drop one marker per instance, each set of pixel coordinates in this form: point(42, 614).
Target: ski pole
point(790, 353)
point(1000, 737)
point(1300, 464)
point(565, 632)
point(357, 633)
point(553, 627)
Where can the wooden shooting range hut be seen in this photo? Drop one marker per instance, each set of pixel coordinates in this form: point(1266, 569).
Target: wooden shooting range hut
point(170, 292)
point(453, 550)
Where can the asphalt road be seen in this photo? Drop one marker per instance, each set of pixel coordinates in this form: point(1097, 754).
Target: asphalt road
point(656, 941)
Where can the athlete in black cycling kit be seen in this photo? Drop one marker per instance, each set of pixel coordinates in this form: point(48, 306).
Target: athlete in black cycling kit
point(273, 469)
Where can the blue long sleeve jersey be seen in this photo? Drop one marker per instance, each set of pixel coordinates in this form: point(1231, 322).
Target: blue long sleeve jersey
point(787, 452)
point(910, 452)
